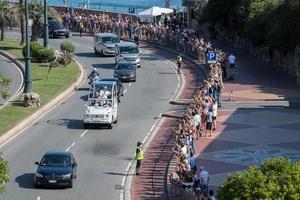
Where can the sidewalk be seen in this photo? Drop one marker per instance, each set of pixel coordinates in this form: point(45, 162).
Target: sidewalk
point(152, 184)
point(250, 130)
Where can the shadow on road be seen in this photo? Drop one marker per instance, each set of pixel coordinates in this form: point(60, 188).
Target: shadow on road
point(114, 173)
point(25, 180)
point(104, 66)
point(88, 54)
point(69, 123)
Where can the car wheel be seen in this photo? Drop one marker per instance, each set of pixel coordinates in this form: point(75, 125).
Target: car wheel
point(101, 53)
point(96, 52)
point(36, 185)
point(85, 125)
point(70, 184)
point(68, 35)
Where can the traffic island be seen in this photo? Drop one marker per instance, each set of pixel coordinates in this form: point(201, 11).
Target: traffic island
point(59, 83)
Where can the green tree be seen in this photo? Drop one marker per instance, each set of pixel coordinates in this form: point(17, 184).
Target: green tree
point(4, 87)
point(4, 173)
point(7, 16)
point(277, 178)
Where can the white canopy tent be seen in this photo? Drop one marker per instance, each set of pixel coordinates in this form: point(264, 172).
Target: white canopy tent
point(154, 11)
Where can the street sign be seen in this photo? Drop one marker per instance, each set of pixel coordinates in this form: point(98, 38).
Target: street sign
point(131, 10)
point(212, 57)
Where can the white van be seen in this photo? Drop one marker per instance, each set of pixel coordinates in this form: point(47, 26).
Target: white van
point(104, 43)
point(102, 105)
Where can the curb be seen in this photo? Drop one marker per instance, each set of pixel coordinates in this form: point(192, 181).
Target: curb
point(14, 60)
point(17, 130)
point(21, 68)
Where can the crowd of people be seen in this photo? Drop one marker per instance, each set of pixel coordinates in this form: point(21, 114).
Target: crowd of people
point(200, 117)
point(198, 121)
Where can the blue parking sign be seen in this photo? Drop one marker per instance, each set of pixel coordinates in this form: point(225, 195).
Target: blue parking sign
point(212, 57)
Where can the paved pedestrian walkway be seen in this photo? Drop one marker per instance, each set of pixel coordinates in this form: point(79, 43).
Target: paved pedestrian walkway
point(151, 184)
point(245, 135)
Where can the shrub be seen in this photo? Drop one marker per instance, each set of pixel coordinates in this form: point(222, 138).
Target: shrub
point(38, 53)
point(67, 46)
point(45, 55)
point(277, 178)
point(35, 47)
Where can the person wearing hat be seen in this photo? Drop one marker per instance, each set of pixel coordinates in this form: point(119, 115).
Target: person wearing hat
point(139, 157)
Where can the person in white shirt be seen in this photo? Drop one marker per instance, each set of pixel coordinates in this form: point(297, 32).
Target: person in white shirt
point(197, 123)
point(214, 114)
point(103, 95)
point(232, 60)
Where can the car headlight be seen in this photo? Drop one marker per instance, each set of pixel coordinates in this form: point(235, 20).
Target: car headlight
point(66, 176)
point(138, 59)
point(86, 116)
point(38, 175)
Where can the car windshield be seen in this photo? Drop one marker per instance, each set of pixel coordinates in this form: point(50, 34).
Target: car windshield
point(129, 49)
point(56, 25)
point(124, 66)
point(110, 40)
point(57, 160)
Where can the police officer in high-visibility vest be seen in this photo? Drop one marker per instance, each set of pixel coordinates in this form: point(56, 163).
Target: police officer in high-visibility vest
point(179, 61)
point(81, 27)
point(139, 156)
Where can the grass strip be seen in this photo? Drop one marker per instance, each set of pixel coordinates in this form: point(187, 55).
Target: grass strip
point(58, 80)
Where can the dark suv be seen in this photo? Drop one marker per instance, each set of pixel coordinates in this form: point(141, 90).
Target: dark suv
point(56, 29)
point(57, 168)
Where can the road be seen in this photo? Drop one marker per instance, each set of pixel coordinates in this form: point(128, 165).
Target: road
point(14, 74)
point(102, 154)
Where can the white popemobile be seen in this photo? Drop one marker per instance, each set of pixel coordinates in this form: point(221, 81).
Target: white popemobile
point(102, 105)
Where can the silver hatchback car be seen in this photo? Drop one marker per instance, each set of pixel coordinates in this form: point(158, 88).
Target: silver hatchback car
point(128, 52)
point(104, 43)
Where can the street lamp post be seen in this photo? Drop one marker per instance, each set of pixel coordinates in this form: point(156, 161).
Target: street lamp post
point(46, 31)
point(28, 80)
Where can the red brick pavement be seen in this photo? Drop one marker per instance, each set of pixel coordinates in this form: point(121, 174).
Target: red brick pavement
point(151, 184)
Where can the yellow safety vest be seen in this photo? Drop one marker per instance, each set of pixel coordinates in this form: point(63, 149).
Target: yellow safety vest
point(139, 155)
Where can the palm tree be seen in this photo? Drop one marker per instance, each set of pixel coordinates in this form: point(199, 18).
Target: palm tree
point(22, 22)
point(4, 17)
point(4, 87)
point(36, 14)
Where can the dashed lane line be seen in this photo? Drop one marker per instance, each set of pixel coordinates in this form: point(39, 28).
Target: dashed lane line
point(68, 149)
point(125, 91)
point(129, 84)
point(38, 198)
point(84, 133)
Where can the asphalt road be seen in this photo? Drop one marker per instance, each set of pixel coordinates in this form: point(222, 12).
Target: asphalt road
point(14, 74)
point(102, 154)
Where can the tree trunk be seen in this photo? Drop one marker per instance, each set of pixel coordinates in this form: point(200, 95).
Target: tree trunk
point(36, 30)
point(2, 33)
point(22, 23)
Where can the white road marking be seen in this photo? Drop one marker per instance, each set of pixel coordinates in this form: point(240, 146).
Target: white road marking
point(38, 198)
point(125, 91)
point(129, 84)
point(84, 133)
point(68, 149)
point(151, 130)
point(128, 166)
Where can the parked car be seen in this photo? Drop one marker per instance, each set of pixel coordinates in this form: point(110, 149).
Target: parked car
point(56, 168)
point(104, 43)
point(129, 52)
point(56, 29)
point(125, 71)
point(120, 87)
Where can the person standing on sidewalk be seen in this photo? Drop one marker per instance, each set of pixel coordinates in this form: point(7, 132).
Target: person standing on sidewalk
point(232, 65)
point(139, 157)
point(179, 61)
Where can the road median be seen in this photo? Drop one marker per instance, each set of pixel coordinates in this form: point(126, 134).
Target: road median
point(55, 88)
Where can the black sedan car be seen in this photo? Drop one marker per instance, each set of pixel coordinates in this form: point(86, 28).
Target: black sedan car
point(125, 71)
point(56, 168)
point(119, 85)
point(56, 29)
